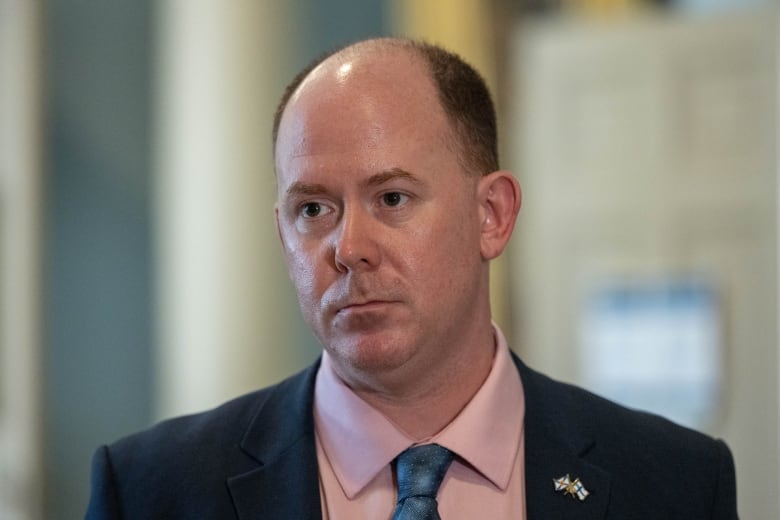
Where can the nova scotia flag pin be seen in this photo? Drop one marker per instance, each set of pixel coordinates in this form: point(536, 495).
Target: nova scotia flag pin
point(575, 488)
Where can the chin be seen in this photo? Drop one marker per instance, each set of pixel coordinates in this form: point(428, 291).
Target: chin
point(371, 356)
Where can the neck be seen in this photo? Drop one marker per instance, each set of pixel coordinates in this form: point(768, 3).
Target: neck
point(422, 404)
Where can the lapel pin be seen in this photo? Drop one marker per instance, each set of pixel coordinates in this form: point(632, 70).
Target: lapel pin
point(575, 488)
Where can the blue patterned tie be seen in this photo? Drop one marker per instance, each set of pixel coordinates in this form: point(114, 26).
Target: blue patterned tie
point(420, 471)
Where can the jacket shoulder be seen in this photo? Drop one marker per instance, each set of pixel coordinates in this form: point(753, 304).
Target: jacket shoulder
point(182, 464)
point(220, 427)
point(655, 465)
point(596, 417)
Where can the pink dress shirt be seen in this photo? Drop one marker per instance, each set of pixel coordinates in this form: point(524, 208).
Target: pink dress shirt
point(356, 445)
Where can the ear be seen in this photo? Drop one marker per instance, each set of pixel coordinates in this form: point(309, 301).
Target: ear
point(499, 203)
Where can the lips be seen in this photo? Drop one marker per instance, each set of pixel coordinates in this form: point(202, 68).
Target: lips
point(363, 316)
point(361, 296)
point(370, 305)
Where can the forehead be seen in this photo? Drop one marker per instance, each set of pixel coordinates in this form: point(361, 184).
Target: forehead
point(356, 102)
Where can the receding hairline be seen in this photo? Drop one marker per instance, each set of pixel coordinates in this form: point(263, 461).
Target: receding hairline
point(476, 150)
point(376, 47)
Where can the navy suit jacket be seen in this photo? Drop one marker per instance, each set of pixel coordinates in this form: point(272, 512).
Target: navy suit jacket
point(255, 458)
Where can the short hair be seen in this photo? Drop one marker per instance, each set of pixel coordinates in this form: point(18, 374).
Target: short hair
point(462, 92)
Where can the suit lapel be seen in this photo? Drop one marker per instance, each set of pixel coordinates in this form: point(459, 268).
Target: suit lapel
point(285, 483)
point(554, 447)
point(280, 438)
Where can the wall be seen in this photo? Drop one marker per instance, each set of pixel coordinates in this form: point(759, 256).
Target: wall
point(647, 153)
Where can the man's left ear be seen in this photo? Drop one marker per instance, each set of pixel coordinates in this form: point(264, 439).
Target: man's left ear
point(499, 203)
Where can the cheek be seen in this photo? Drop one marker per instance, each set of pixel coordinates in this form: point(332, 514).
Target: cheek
point(302, 275)
point(442, 250)
point(300, 264)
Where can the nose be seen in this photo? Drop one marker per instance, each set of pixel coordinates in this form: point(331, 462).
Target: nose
point(356, 246)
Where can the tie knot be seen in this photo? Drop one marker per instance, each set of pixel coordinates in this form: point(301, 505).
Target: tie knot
point(421, 469)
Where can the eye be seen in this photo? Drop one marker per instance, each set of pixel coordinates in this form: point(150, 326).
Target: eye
point(394, 198)
point(312, 210)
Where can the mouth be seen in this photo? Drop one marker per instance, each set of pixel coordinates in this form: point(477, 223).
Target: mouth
point(367, 306)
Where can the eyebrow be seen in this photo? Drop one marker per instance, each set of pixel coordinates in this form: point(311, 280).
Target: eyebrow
point(390, 175)
point(305, 188)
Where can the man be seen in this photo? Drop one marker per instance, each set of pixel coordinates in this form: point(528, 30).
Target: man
point(390, 207)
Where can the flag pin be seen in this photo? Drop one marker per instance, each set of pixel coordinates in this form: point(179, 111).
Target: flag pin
point(575, 488)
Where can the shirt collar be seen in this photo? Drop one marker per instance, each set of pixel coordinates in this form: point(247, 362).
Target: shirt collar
point(359, 441)
point(487, 432)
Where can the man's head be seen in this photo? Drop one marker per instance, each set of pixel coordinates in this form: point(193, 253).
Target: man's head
point(387, 228)
point(461, 92)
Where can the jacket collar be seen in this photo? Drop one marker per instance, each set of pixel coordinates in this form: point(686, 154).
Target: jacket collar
point(280, 438)
point(557, 445)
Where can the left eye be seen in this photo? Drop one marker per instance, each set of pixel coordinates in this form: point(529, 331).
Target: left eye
point(393, 198)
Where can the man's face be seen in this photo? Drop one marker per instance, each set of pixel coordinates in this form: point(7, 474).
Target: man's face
point(379, 223)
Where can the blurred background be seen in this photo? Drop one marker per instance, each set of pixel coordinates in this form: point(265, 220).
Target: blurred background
point(140, 275)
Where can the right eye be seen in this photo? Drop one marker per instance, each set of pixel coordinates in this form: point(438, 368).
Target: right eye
point(311, 210)
point(314, 210)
